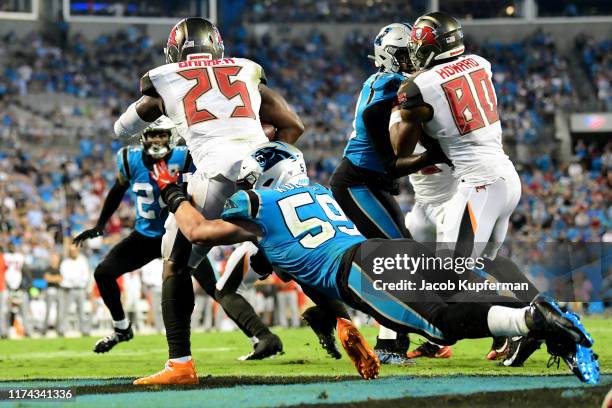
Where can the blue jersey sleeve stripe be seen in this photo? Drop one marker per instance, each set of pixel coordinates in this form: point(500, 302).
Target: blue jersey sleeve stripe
point(254, 203)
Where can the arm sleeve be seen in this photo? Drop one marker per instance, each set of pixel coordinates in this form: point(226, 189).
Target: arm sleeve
point(111, 202)
point(376, 120)
point(146, 86)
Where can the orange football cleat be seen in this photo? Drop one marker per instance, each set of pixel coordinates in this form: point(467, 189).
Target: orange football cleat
point(173, 373)
point(431, 350)
point(364, 358)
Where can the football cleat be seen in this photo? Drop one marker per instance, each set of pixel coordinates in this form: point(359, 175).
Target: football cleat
point(173, 373)
point(431, 350)
point(267, 346)
point(107, 343)
point(520, 349)
point(499, 349)
point(365, 360)
point(579, 359)
point(393, 351)
point(546, 320)
point(324, 331)
point(392, 358)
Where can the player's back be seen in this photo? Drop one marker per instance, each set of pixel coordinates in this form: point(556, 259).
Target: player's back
point(304, 231)
point(465, 120)
point(213, 103)
point(380, 87)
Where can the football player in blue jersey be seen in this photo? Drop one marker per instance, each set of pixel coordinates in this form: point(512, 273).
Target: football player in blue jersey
point(144, 243)
point(365, 181)
point(302, 230)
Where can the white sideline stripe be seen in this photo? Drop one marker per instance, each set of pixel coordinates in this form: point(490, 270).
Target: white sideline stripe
point(79, 353)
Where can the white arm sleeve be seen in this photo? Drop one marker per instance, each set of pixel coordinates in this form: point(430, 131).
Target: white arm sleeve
point(129, 123)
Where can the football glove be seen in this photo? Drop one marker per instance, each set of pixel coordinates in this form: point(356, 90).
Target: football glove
point(80, 239)
point(171, 193)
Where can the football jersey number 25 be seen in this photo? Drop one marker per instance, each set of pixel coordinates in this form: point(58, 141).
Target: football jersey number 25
point(327, 231)
point(227, 87)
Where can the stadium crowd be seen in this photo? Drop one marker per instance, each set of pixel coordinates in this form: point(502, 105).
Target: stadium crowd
point(49, 195)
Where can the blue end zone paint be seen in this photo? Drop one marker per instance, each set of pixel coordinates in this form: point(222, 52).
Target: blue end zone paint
point(336, 392)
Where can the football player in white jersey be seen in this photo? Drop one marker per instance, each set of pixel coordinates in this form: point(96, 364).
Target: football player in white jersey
point(452, 99)
point(433, 187)
point(218, 104)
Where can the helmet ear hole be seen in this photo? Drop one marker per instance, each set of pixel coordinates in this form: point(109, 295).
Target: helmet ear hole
point(268, 182)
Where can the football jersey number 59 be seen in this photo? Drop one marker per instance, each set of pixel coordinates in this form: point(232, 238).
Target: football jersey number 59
point(327, 227)
point(227, 88)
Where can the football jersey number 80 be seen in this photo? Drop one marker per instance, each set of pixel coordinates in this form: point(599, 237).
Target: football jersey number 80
point(466, 109)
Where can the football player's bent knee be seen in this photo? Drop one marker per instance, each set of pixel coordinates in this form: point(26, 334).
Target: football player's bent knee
point(104, 271)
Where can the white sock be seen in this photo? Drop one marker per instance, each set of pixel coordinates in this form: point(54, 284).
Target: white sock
point(386, 334)
point(506, 321)
point(254, 340)
point(181, 359)
point(121, 324)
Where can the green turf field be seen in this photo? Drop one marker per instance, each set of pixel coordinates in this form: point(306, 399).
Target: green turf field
point(216, 354)
point(303, 376)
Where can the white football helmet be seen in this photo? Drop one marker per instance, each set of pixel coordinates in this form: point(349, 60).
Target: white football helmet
point(272, 164)
point(158, 151)
point(391, 47)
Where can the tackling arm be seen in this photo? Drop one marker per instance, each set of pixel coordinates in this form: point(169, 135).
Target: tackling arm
point(276, 111)
point(191, 222)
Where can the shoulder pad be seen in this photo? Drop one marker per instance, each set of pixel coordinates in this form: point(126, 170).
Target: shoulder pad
point(146, 86)
point(243, 204)
point(409, 95)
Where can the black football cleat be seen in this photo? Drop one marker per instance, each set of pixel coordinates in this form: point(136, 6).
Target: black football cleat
point(267, 346)
point(520, 349)
point(393, 352)
point(107, 343)
point(320, 325)
point(546, 320)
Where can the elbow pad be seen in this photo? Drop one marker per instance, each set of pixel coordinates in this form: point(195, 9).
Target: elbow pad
point(129, 123)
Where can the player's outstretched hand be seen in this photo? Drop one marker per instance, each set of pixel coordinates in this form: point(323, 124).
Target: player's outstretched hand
point(87, 234)
point(162, 175)
point(171, 193)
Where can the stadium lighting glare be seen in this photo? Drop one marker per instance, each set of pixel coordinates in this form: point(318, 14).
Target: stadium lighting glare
point(510, 10)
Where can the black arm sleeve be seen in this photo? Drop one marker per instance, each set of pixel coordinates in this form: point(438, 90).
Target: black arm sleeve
point(376, 120)
point(146, 86)
point(111, 203)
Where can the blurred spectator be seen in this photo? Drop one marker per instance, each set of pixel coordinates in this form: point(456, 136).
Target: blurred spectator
point(4, 301)
point(76, 276)
point(53, 278)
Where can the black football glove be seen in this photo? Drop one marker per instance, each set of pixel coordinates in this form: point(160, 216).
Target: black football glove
point(80, 239)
